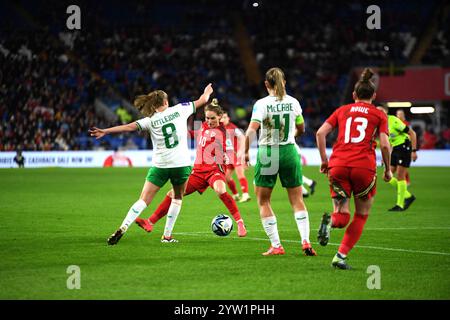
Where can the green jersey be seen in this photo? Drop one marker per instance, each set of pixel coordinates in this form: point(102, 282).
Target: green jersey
point(397, 136)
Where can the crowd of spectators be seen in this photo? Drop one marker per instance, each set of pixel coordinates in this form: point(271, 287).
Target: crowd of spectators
point(439, 51)
point(319, 42)
point(51, 77)
point(45, 100)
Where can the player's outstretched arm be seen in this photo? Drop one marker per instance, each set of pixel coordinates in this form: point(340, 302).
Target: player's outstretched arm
point(99, 133)
point(204, 97)
point(321, 136)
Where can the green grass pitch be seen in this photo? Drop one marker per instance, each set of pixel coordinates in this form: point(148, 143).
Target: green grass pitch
point(54, 218)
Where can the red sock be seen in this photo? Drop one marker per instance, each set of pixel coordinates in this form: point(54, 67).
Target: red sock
point(244, 185)
point(229, 202)
point(353, 233)
point(161, 211)
point(232, 186)
point(340, 219)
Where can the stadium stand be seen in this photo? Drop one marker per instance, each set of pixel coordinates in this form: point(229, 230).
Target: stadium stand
point(56, 83)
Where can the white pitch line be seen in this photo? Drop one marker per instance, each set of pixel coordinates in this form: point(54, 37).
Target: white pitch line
point(411, 228)
point(368, 229)
point(330, 243)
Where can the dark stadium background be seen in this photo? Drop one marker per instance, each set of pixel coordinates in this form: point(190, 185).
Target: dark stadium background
point(56, 83)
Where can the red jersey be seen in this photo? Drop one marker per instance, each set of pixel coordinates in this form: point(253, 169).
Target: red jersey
point(211, 147)
point(233, 132)
point(358, 125)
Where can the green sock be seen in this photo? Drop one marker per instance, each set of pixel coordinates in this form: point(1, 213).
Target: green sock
point(401, 192)
point(393, 182)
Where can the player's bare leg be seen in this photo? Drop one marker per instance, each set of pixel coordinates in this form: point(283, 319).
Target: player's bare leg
point(301, 218)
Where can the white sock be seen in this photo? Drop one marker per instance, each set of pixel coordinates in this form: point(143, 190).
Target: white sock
point(172, 215)
point(304, 191)
point(271, 229)
point(302, 219)
point(308, 181)
point(133, 213)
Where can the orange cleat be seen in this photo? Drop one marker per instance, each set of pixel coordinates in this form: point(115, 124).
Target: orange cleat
point(274, 251)
point(242, 232)
point(145, 224)
point(307, 249)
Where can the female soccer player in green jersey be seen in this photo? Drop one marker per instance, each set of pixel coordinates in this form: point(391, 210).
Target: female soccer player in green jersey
point(404, 149)
point(171, 157)
point(279, 116)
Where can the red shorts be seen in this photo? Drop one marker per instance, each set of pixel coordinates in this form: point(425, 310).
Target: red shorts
point(200, 181)
point(345, 180)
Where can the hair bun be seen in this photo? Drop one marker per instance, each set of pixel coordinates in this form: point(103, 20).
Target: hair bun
point(366, 75)
point(215, 102)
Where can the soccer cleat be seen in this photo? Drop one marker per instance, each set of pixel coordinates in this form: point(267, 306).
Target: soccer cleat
point(274, 251)
point(144, 224)
point(165, 239)
point(236, 197)
point(323, 235)
point(242, 232)
point(396, 208)
point(408, 201)
point(115, 237)
point(245, 197)
point(307, 249)
point(312, 188)
point(339, 262)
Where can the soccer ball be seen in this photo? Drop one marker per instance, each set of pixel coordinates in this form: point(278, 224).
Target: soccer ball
point(222, 225)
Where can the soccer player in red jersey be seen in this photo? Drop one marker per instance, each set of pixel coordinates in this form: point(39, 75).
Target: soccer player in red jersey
point(208, 171)
point(352, 165)
point(235, 140)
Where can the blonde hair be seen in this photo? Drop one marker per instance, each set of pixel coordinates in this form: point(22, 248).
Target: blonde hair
point(275, 78)
point(214, 107)
point(148, 103)
point(365, 88)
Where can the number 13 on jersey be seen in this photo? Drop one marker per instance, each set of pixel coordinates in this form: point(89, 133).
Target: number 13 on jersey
point(361, 126)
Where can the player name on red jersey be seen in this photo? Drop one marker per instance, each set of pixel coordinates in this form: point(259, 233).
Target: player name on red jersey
point(360, 109)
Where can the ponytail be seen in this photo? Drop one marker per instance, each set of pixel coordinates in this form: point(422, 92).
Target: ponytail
point(276, 80)
point(147, 104)
point(365, 88)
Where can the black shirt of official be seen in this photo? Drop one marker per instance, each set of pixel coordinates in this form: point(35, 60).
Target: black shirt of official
point(20, 160)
